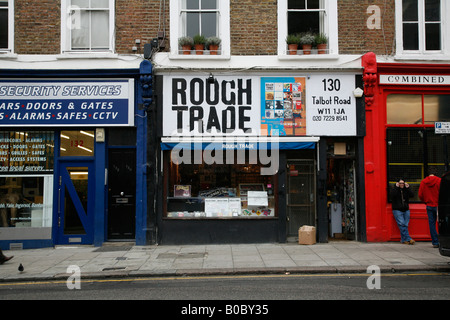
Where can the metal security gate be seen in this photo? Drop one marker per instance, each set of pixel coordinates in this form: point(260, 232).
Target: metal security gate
point(301, 196)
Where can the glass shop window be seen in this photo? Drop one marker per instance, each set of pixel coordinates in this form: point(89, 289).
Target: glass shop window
point(26, 178)
point(412, 154)
point(77, 143)
point(26, 152)
point(417, 109)
point(218, 190)
point(25, 201)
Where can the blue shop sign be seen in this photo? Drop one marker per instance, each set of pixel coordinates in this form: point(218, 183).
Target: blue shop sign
point(67, 103)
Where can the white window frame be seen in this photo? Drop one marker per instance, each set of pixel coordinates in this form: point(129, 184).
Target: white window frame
point(176, 30)
point(66, 42)
point(444, 53)
point(330, 28)
point(10, 48)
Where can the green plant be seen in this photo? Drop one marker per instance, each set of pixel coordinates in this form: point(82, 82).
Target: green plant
point(213, 41)
point(307, 38)
point(321, 38)
point(199, 39)
point(185, 41)
point(293, 39)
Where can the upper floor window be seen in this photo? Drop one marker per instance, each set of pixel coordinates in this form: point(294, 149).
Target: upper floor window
point(6, 25)
point(208, 18)
point(199, 17)
point(306, 16)
point(421, 27)
point(88, 25)
point(316, 17)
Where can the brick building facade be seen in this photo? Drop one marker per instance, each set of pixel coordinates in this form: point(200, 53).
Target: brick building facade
point(40, 44)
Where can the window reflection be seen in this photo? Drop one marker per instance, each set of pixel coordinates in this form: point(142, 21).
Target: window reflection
point(22, 202)
point(404, 109)
point(77, 143)
point(436, 108)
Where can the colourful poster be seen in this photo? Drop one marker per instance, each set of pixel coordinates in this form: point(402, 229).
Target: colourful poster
point(283, 106)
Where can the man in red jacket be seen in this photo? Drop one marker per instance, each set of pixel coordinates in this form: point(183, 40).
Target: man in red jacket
point(429, 193)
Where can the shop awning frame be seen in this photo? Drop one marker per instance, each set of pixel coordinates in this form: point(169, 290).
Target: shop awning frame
point(239, 143)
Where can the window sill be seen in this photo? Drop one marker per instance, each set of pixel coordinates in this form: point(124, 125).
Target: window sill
point(312, 56)
point(87, 55)
point(422, 57)
point(8, 55)
point(193, 56)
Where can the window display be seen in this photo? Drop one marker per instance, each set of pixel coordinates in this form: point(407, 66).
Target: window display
point(26, 180)
point(22, 201)
point(218, 190)
point(26, 152)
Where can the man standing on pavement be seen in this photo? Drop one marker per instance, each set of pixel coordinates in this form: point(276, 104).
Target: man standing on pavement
point(429, 193)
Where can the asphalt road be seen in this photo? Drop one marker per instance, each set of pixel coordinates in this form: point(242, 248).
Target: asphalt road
point(414, 286)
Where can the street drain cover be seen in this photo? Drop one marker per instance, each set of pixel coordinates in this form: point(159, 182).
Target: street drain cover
point(181, 255)
point(113, 248)
point(113, 268)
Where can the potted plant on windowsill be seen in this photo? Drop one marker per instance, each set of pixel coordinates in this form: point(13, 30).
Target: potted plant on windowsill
point(307, 40)
point(213, 44)
point(292, 41)
point(199, 43)
point(186, 44)
point(321, 42)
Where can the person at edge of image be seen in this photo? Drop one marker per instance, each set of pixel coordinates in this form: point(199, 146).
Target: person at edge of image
point(429, 193)
point(400, 195)
point(3, 258)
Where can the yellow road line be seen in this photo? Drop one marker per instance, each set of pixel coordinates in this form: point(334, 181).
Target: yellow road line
point(331, 275)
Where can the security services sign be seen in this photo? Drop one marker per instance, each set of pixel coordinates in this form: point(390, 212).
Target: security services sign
point(67, 103)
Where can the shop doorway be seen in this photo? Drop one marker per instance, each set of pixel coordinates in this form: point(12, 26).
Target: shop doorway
point(122, 194)
point(75, 202)
point(341, 196)
point(301, 197)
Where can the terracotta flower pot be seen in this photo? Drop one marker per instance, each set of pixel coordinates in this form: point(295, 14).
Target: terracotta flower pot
point(293, 48)
point(322, 48)
point(306, 48)
point(213, 49)
point(186, 49)
point(199, 48)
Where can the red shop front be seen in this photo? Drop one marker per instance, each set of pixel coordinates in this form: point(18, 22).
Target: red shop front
point(403, 103)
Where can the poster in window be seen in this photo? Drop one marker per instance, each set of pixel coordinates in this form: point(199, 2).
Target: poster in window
point(244, 188)
point(257, 198)
point(283, 106)
point(28, 152)
point(182, 191)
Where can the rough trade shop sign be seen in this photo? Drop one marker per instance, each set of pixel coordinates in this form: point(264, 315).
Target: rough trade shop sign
point(224, 106)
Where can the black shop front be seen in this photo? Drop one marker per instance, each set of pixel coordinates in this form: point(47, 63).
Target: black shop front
point(240, 159)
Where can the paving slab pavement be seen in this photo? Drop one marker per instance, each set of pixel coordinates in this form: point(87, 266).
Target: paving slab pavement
point(127, 260)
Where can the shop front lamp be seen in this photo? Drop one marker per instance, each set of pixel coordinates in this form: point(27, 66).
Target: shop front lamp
point(211, 79)
point(358, 92)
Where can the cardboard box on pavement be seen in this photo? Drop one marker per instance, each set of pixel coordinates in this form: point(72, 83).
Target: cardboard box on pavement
point(307, 235)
